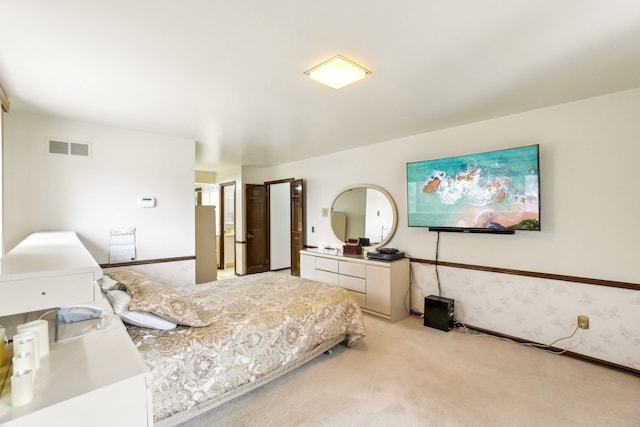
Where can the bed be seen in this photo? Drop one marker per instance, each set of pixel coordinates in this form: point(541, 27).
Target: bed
point(209, 343)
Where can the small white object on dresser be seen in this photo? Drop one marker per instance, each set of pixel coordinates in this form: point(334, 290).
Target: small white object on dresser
point(379, 286)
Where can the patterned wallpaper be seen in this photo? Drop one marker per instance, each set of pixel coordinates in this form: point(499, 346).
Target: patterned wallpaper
point(541, 310)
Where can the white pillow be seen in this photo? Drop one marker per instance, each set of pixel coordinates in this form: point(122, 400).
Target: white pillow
point(120, 301)
point(106, 283)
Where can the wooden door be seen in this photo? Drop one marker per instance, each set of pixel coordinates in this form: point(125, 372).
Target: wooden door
point(257, 223)
point(297, 224)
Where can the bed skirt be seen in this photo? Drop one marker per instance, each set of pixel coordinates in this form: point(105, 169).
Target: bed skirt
point(232, 394)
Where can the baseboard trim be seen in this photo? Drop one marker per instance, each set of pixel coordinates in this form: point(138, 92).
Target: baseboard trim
point(571, 354)
point(149, 261)
point(574, 279)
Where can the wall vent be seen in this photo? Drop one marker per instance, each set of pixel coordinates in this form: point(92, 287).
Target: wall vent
point(58, 147)
point(76, 149)
point(68, 148)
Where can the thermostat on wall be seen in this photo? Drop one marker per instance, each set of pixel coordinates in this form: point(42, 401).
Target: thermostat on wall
point(147, 202)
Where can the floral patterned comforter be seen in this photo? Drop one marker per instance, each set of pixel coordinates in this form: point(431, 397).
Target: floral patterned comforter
point(261, 323)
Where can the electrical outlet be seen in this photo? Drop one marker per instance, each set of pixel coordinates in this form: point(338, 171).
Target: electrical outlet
point(583, 322)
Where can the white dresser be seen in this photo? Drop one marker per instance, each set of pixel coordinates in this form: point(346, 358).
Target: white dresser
point(381, 287)
point(92, 375)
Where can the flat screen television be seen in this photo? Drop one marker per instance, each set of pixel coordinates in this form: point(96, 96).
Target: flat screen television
point(491, 192)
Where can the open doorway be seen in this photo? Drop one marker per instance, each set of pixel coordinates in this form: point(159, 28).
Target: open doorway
point(267, 242)
point(227, 237)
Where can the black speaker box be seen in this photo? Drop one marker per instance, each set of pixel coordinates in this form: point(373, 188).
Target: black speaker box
point(438, 312)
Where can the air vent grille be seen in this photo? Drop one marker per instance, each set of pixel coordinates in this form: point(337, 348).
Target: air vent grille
point(58, 147)
point(68, 148)
point(79, 149)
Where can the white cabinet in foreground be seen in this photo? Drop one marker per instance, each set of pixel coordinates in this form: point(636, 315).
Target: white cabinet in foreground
point(380, 287)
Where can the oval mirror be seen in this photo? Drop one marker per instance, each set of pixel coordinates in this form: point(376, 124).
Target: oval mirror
point(364, 211)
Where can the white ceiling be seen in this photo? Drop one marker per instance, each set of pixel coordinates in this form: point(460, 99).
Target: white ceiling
point(229, 73)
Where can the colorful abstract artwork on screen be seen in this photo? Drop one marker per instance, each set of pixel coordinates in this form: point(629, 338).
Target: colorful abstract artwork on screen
point(491, 190)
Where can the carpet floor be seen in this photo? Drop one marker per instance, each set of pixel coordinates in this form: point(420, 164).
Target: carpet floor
point(405, 374)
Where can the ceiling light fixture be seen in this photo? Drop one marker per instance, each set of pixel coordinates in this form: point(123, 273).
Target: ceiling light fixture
point(337, 72)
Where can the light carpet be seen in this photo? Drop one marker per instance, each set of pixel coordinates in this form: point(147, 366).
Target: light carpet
point(405, 374)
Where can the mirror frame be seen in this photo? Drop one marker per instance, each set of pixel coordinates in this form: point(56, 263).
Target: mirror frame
point(392, 228)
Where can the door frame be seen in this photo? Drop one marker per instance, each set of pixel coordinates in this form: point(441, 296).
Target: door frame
point(300, 234)
point(279, 225)
point(297, 234)
point(256, 201)
point(222, 205)
point(292, 232)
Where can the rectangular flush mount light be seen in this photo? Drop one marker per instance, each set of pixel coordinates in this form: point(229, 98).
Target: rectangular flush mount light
point(337, 72)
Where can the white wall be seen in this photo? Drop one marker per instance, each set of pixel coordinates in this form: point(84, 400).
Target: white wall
point(90, 196)
point(588, 169)
point(589, 154)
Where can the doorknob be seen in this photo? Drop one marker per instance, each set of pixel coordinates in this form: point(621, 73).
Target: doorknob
point(249, 236)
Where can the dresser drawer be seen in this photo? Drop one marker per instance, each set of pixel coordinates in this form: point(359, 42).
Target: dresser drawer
point(308, 267)
point(40, 293)
point(327, 277)
point(352, 283)
point(327, 264)
point(352, 269)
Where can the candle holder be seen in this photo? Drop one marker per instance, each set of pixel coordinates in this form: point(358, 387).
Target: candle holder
point(40, 326)
point(23, 362)
point(22, 388)
point(27, 342)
